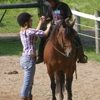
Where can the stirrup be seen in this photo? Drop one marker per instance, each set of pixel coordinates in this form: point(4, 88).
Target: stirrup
point(39, 59)
point(83, 59)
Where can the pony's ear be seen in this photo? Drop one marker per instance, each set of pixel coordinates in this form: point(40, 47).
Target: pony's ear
point(63, 24)
point(73, 23)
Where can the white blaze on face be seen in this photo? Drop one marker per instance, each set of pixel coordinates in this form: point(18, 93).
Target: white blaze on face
point(67, 52)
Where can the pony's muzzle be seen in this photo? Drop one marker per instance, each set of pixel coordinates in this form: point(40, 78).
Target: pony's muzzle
point(69, 54)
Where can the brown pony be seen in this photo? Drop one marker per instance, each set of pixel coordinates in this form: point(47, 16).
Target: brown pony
point(60, 58)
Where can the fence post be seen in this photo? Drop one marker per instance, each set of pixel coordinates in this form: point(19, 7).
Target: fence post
point(97, 32)
point(3, 15)
point(77, 24)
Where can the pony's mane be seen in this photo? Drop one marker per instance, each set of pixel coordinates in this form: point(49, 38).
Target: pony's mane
point(55, 29)
point(68, 31)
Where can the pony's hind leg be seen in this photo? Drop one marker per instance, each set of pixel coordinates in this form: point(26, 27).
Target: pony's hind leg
point(68, 87)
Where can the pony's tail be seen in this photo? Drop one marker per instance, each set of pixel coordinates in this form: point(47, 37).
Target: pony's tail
point(60, 80)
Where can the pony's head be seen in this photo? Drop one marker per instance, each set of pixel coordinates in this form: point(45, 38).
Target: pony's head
point(65, 37)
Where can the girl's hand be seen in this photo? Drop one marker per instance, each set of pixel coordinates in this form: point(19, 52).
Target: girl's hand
point(48, 25)
point(42, 18)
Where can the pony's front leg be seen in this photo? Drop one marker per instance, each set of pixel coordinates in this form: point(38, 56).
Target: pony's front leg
point(68, 87)
point(53, 86)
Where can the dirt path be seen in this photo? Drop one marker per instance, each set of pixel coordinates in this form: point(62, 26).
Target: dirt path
point(86, 87)
point(8, 36)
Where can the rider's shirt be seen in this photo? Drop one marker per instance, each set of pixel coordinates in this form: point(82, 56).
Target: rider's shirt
point(56, 15)
point(61, 12)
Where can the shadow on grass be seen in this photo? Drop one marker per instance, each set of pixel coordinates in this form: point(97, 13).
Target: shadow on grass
point(2, 25)
point(12, 46)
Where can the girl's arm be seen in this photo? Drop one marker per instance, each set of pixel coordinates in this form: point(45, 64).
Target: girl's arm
point(42, 19)
point(47, 29)
point(39, 25)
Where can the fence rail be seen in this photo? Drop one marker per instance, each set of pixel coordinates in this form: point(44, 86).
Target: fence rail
point(88, 16)
point(96, 18)
point(43, 5)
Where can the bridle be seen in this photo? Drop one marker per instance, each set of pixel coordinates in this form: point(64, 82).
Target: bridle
point(63, 45)
point(58, 50)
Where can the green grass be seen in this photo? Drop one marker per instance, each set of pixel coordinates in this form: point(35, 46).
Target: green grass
point(90, 52)
point(92, 56)
point(12, 46)
point(9, 24)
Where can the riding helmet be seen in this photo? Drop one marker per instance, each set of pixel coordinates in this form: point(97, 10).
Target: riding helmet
point(23, 18)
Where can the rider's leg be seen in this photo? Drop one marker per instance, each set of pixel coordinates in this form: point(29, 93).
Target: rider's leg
point(82, 58)
point(39, 58)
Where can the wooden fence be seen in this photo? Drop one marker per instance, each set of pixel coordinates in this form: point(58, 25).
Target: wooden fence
point(43, 5)
point(96, 18)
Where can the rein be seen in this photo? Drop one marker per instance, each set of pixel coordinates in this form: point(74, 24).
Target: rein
point(58, 50)
point(63, 46)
